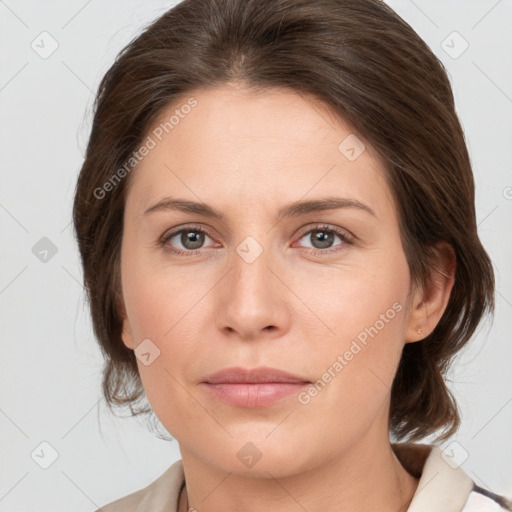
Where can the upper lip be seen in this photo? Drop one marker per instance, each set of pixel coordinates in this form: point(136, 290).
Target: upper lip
point(247, 375)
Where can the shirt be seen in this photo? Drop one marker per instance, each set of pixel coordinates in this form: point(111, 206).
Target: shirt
point(443, 486)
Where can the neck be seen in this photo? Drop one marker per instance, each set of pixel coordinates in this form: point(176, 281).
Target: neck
point(364, 478)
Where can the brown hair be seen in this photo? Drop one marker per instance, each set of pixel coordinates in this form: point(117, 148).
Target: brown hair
point(369, 67)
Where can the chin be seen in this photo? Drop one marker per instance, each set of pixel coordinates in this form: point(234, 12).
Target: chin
point(259, 457)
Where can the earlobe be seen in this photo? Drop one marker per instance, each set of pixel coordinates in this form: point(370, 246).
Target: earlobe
point(429, 302)
point(126, 333)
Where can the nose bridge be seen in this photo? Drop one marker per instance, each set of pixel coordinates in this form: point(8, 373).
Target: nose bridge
point(251, 298)
point(250, 273)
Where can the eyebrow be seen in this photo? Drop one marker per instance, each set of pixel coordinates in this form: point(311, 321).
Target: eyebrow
point(295, 209)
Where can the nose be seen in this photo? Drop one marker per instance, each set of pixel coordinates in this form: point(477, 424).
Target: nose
point(252, 300)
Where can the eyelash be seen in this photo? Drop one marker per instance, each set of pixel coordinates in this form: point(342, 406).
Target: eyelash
point(343, 235)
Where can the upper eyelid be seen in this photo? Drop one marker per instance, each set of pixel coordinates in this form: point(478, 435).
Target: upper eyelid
point(327, 227)
point(189, 227)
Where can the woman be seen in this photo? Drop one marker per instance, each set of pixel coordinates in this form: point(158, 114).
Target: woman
point(277, 227)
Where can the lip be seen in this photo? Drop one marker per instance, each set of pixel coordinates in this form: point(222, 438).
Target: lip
point(261, 374)
point(257, 387)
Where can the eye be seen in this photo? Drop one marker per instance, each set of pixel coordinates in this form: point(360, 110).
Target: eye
point(187, 241)
point(190, 240)
point(322, 239)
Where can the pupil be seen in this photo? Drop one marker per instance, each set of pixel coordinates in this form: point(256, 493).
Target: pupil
point(192, 239)
point(324, 238)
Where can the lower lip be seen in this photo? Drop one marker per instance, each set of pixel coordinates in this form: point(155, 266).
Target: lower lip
point(254, 395)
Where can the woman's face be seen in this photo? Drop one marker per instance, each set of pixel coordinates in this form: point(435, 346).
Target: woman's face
point(319, 293)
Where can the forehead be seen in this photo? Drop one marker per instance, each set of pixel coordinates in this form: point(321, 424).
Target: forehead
point(232, 117)
point(274, 145)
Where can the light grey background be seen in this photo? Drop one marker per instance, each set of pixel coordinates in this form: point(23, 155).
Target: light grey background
point(50, 367)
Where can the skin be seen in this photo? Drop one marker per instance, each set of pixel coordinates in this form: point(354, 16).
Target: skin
point(247, 155)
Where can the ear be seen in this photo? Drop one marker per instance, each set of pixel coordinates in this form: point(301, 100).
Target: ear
point(126, 334)
point(430, 301)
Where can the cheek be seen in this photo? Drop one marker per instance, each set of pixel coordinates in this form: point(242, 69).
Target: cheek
point(356, 322)
point(164, 307)
point(356, 365)
point(155, 297)
point(158, 313)
point(346, 300)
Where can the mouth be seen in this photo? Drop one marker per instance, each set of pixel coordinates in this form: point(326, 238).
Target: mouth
point(258, 387)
